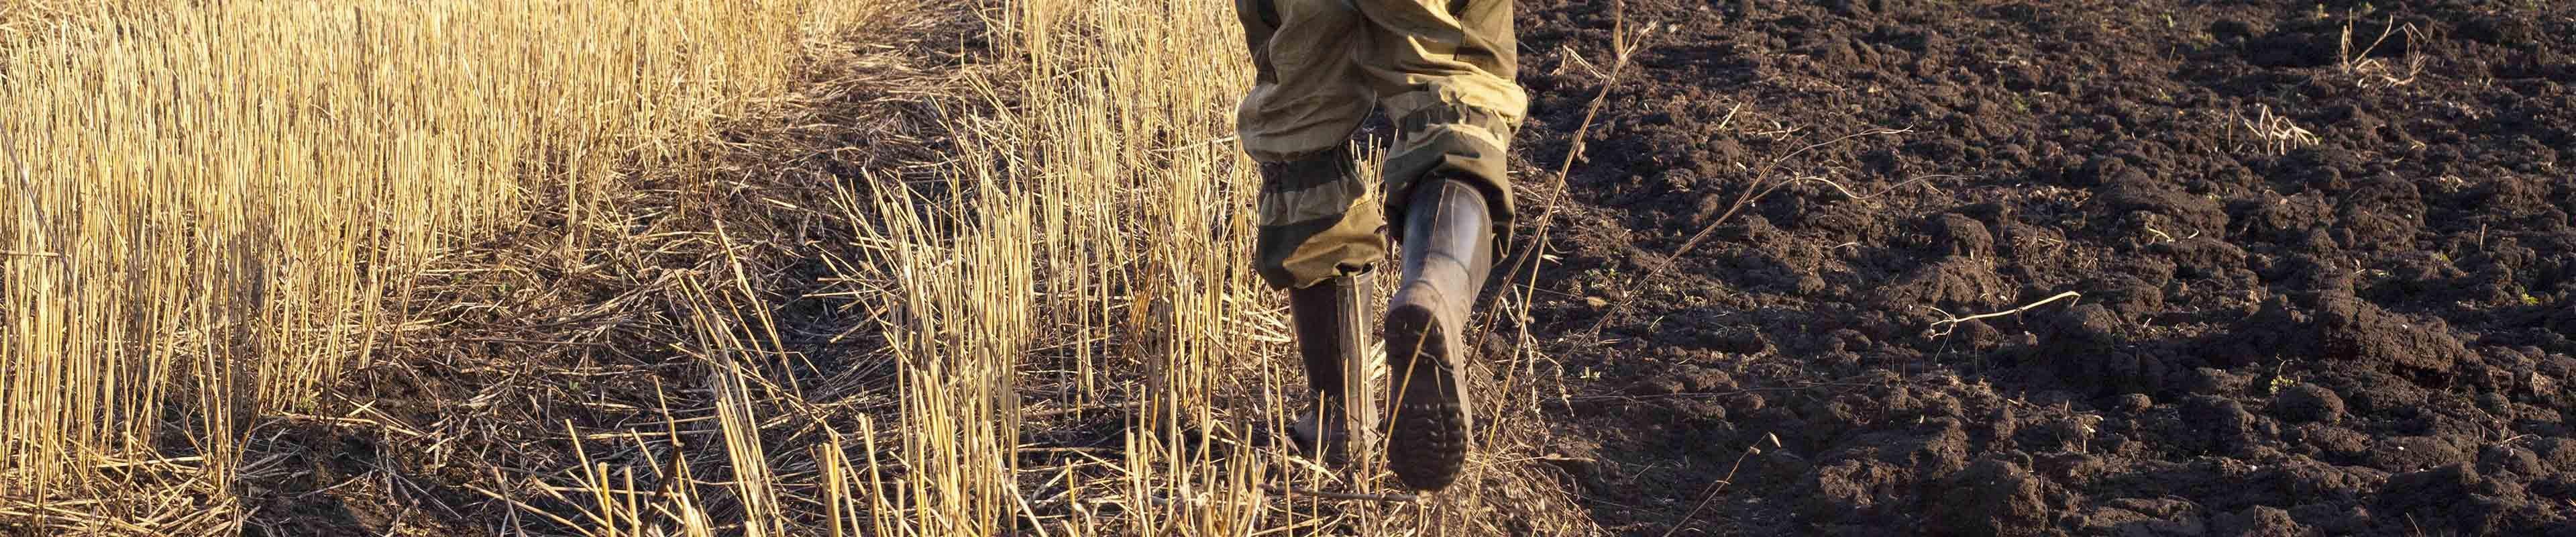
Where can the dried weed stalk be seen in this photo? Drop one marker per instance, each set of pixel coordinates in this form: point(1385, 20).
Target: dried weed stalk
point(2374, 72)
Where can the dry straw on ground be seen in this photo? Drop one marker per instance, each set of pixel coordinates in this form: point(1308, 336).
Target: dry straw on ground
point(207, 203)
point(561, 268)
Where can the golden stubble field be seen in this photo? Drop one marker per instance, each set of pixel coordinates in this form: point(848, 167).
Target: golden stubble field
point(585, 267)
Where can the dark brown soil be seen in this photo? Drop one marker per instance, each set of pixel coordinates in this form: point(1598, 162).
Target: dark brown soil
point(2364, 335)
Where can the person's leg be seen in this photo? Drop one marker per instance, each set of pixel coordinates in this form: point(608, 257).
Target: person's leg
point(1306, 99)
point(1443, 70)
point(1319, 234)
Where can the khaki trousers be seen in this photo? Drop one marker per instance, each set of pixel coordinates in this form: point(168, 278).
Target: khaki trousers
point(1441, 70)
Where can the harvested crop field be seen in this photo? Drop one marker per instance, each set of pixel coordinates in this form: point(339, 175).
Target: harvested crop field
point(982, 267)
point(2267, 272)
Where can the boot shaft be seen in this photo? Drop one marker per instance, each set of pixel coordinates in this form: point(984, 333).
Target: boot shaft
point(1448, 247)
point(1332, 325)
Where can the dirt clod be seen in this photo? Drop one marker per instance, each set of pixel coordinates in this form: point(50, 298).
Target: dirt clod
point(2257, 521)
point(2308, 403)
point(1990, 497)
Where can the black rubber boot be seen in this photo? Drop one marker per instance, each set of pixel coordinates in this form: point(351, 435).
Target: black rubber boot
point(1322, 432)
point(1448, 250)
point(1332, 330)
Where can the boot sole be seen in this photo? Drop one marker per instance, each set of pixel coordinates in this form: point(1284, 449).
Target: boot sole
point(1427, 440)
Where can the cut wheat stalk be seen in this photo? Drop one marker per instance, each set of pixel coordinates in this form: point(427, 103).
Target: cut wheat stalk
point(1326, 494)
point(1946, 325)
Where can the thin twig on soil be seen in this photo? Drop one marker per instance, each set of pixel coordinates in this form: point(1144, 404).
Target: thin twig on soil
point(1720, 485)
point(1535, 250)
point(1952, 322)
point(2362, 65)
point(1698, 395)
point(1764, 187)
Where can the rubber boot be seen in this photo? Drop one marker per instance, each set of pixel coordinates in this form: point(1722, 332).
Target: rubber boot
point(1448, 250)
point(1332, 330)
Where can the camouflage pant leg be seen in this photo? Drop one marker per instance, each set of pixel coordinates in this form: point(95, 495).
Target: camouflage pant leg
point(1315, 221)
point(1442, 69)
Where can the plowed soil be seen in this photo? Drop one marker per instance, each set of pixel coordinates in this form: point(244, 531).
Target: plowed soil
point(2320, 286)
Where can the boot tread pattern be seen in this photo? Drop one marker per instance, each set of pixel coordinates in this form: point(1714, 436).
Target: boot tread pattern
point(1427, 442)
